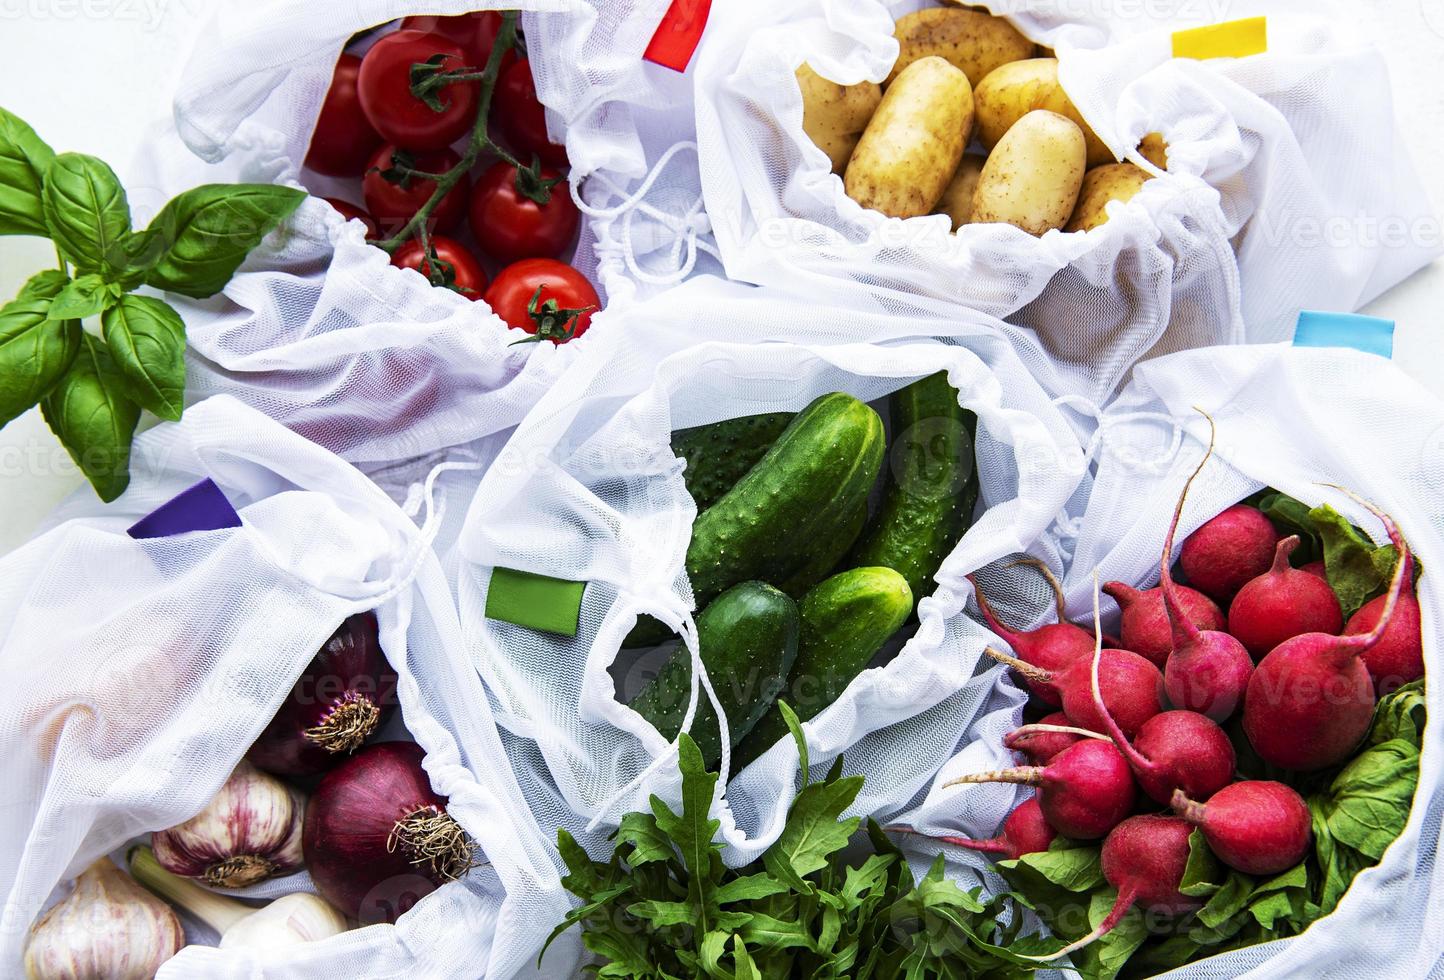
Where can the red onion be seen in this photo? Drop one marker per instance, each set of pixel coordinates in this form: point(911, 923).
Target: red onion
point(377, 839)
point(341, 700)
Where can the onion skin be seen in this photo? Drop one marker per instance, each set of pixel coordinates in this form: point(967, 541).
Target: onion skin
point(343, 698)
point(361, 833)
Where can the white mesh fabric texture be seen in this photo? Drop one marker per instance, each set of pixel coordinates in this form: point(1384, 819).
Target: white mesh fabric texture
point(1292, 419)
point(318, 330)
point(1289, 158)
point(141, 670)
point(588, 490)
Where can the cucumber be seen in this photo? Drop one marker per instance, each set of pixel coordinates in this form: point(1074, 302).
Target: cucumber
point(828, 555)
point(748, 641)
point(845, 622)
point(771, 523)
point(720, 454)
point(932, 484)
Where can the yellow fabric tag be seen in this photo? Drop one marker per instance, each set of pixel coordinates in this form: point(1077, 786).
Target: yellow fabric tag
point(1232, 39)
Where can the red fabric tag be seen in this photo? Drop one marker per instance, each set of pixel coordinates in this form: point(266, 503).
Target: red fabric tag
point(679, 34)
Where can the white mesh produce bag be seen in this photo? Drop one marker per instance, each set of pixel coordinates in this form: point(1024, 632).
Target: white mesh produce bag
point(140, 671)
point(1285, 169)
point(1292, 419)
point(318, 330)
point(588, 490)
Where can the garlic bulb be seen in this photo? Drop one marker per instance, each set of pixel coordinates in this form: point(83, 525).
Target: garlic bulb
point(108, 928)
point(251, 831)
point(288, 921)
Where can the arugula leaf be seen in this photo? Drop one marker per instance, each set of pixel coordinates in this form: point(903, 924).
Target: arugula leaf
point(814, 831)
point(35, 351)
point(789, 717)
point(85, 296)
point(749, 888)
point(24, 159)
point(692, 831)
point(1372, 797)
point(93, 420)
point(87, 214)
point(648, 842)
point(200, 238)
point(746, 969)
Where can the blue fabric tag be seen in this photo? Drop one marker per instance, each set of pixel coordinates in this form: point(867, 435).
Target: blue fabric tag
point(201, 508)
point(1370, 334)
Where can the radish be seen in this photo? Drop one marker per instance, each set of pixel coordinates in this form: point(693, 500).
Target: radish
point(1283, 603)
point(1132, 687)
point(1047, 647)
point(1144, 858)
point(1258, 827)
point(1025, 831)
point(1398, 657)
point(1045, 739)
point(1207, 670)
point(1228, 551)
point(1311, 700)
point(1146, 629)
point(1084, 791)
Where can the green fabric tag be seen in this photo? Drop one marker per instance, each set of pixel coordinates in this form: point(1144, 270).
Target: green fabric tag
point(537, 602)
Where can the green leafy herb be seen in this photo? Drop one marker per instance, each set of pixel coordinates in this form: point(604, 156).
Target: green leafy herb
point(92, 388)
point(664, 905)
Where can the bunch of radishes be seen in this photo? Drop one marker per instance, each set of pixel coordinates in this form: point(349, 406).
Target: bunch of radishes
point(1306, 705)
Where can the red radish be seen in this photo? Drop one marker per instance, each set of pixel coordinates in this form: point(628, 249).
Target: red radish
point(1311, 700)
point(1145, 628)
point(1144, 858)
point(1048, 647)
point(1084, 791)
point(1025, 831)
point(1258, 827)
point(1051, 735)
point(1228, 551)
point(1132, 688)
point(377, 838)
point(1316, 568)
point(1207, 670)
point(1283, 603)
point(342, 699)
point(1398, 657)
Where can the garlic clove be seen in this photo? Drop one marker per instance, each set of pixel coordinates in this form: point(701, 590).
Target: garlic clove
point(108, 928)
point(249, 832)
point(288, 921)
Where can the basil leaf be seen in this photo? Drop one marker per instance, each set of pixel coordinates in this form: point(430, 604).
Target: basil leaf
point(24, 158)
point(87, 213)
point(82, 297)
point(94, 420)
point(148, 341)
point(35, 353)
point(43, 285)
point(200, 238)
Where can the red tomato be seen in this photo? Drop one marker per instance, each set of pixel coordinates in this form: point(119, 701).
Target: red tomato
point(509, 226)
point(521, 118)
point(468, 277)
point(344, 139)
point(384, 85)
point(476, 33)
point(511, 294)
point(393, 205)
point(351, 212)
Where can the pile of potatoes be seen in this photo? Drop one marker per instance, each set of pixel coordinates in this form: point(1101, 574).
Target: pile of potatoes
point(902, 146)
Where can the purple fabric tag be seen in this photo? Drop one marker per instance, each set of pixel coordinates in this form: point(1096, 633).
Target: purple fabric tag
point(201, 508)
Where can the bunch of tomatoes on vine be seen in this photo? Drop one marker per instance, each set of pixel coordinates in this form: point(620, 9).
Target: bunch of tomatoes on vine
point(412, 118)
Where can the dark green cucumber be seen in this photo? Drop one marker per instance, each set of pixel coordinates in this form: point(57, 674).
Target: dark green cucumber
point(720, 454)
point(829, 554)
point(769, 525)
point(748, 641)
point(845, 622)
point(932, 484)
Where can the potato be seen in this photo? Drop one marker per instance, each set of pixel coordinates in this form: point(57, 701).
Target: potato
point(911, 148)
point(971, 40)
point(1032, 177)
point(1154, 149)
point(1110, 182)
point(957, 199)
point(833, 115)
point(1013, 90)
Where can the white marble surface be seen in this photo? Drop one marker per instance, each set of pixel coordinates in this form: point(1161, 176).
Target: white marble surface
point(88, 74)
